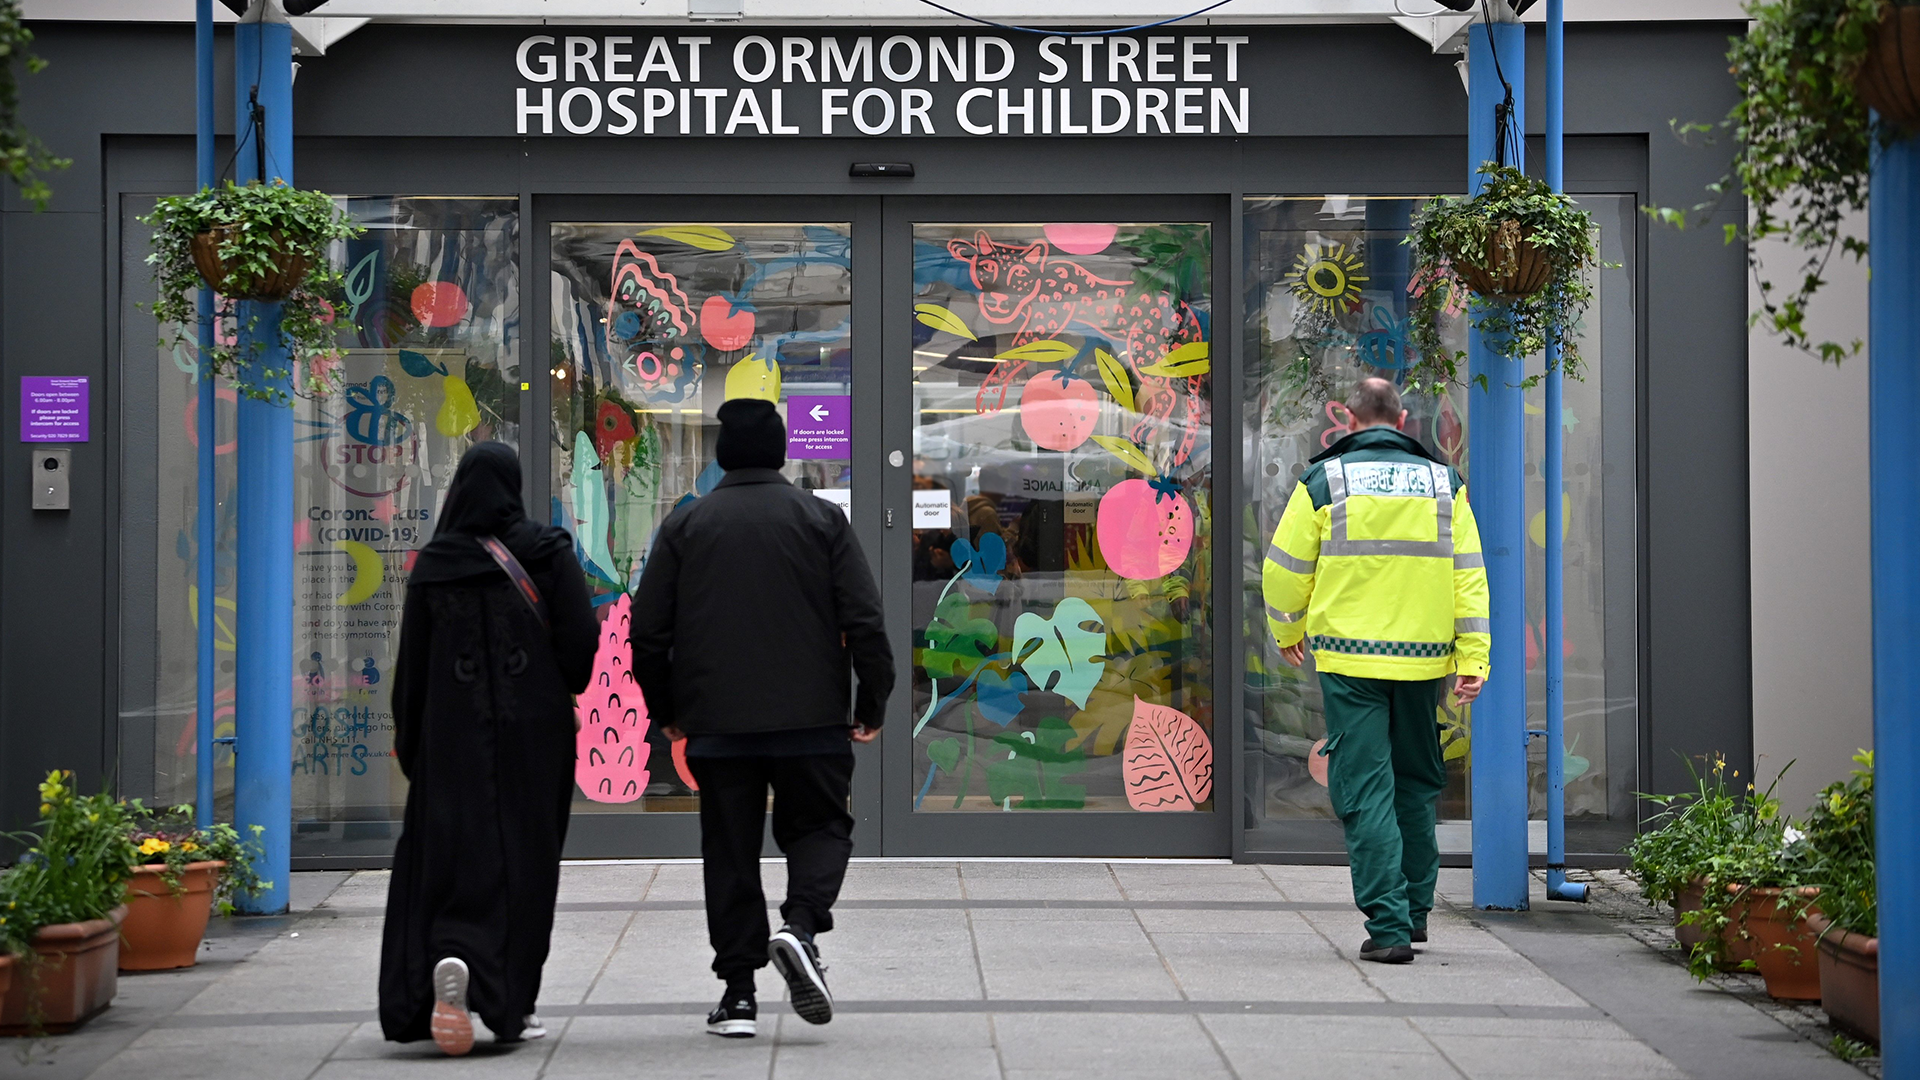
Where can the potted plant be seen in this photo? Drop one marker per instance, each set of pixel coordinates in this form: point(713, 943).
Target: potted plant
point(251, 241)
point(184, 874)
point(1839, 842)
point(63, 901)
point(1808, 71)
point(1524, 251)
point(1673, 858)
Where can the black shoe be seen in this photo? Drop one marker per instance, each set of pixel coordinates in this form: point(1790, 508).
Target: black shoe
point(1420, 935)
point(797, 960)
point(736, 1018)
point(1386, 954)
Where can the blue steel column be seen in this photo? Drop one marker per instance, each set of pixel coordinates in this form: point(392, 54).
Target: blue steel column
point(1894, 438)
point(1495, 433)
point(263, 688)
point(1553, 471)
point(206, 498)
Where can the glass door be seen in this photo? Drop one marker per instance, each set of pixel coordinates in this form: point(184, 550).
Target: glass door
point(658, 311)
point(1050, 377)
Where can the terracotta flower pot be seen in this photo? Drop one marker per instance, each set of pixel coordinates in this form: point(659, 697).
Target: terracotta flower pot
point(1511, 268)
point(1889, 78)
point(1783, 947)
point(72, 974)
point(221, 275)
point(6, 975)
point(1849, 978)
point(1738, 949)
point(163, 930)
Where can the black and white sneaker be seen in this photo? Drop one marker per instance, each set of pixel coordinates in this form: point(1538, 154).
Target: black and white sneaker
point(736, 1018)
point(797, 960)
point(1386, 954)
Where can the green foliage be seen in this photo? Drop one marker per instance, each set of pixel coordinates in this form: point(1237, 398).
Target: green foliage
point(1807, 143)
point(1031, 767)
point(170, 838)
point(1850, 1049)
point(1838, 843)
point(1448, 231)
point(266, 221)
point(77, 868)
point(958, 640)
point(22, 156)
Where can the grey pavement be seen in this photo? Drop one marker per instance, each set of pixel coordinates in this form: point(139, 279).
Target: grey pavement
point(987, 970)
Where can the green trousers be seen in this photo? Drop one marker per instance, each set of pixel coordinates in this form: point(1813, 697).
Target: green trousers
point(1385, 774)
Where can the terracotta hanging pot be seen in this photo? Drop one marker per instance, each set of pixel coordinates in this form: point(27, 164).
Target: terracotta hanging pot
point(222, 275)
point(1889, 78)
point(1512, 267)
point(1783, 946)
point(72, 975)
point(1849, 978)
point(164, 928)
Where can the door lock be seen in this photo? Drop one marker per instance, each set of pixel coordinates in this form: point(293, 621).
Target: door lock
point(889, 517)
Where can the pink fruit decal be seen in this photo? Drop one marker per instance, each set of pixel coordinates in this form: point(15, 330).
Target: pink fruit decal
point(1167, 760)
point(1058, 409)
point(610, 749)
point(725, 327)
point(440, 303)
point(1145, 527)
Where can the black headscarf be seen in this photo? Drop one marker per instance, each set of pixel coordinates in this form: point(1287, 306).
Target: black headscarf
point(484, 500)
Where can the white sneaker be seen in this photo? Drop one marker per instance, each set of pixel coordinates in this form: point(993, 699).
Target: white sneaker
point(533, 1028)
point(452, 1024)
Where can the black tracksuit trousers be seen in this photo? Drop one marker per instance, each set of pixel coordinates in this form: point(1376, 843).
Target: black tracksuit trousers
point(812, 828)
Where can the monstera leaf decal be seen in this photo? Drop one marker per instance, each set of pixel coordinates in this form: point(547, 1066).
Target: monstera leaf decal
point(957, 641)
point(1063, 654)
point(1034, 769)
point(1168, 759)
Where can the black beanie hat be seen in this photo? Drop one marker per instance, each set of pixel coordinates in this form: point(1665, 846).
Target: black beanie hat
point(752, 435)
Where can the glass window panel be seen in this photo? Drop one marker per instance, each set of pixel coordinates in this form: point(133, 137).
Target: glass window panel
point(1328, 287)
point(653, 327)
point(1063, 517)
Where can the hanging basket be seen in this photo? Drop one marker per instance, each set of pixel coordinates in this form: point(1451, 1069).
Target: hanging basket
point(1513, 266)
point(1889, 78)
point(289, 270)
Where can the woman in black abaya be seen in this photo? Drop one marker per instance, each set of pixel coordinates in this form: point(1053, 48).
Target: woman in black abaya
point(483, 728)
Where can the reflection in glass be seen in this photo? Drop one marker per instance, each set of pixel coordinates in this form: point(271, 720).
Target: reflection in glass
point(1328, 290)
point(653, 327)
point(1062, 517)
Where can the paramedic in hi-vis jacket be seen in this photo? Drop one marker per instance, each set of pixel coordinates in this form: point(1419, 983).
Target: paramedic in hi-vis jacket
point(1376, 567)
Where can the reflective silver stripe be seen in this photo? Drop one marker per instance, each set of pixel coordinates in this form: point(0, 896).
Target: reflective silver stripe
point(1278, 555)
point(1426, 549)
point(1284, 616)
point(1469, 560)
point(1337, 492)
point(1473, 626)
point(1443, 504)
point(1336, 479)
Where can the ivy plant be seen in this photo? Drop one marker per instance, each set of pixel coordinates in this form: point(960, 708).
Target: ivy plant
point(266, 224)
point(23, 156)
point(1806, 143)
point(1449, 231)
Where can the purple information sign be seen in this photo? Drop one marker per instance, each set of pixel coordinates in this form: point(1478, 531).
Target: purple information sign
point(53, 408)
point(819, 427)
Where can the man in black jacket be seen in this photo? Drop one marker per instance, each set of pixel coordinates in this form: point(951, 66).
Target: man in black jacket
point(755, 606)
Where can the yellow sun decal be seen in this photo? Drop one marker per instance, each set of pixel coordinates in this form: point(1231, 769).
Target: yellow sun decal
point(1327, 277)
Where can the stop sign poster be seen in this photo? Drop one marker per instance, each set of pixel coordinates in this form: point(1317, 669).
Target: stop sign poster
point(819, 427)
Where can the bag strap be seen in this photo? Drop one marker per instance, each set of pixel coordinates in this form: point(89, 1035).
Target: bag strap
point(522, 583)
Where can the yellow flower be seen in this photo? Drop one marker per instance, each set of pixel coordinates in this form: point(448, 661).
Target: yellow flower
point(188, 845)
point(153, 845)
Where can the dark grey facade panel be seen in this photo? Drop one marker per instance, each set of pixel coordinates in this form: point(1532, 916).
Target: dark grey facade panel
point(403, 109)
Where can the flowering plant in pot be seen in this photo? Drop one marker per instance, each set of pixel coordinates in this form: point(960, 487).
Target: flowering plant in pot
point(1525, 252)
point(1808, 71)
point(64, 902)
point(1673, 857)
point(1839, 846)
point(251, 241)
point(185, 872)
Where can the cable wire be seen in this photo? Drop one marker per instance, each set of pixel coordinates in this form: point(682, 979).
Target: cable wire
point(1044, 32)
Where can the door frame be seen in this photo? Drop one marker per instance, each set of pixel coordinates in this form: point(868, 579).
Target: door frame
point(643, 835)
point(1060, 833)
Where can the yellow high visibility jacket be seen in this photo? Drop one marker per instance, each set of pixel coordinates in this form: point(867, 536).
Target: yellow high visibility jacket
point(1377, 564)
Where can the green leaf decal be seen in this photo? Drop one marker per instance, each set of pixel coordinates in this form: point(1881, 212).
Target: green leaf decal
point(941, 318)
point(957, 640)
point(1184, 362)
point(1064, 654)
point(1033, 768)
point(704, 237)
point(1114, 374)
